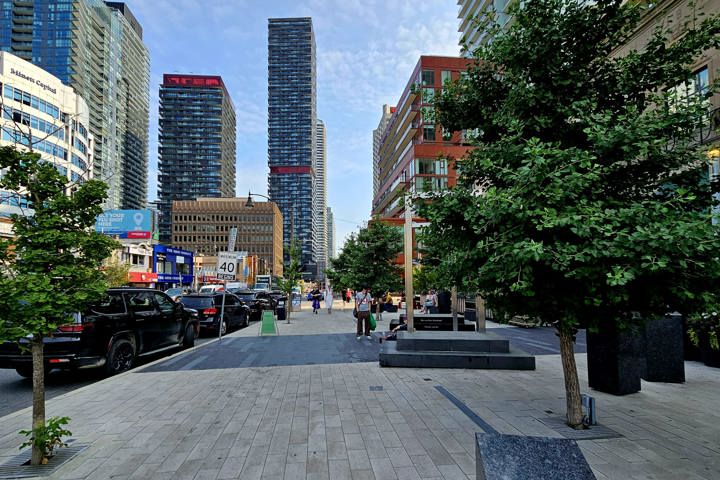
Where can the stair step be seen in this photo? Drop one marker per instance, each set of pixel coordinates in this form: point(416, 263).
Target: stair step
point(452, 342)
point(516, 359)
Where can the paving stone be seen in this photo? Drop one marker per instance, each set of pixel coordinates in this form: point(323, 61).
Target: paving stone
point(383, 469)
point(359, 460)
point(274, 467)
point(295, 471)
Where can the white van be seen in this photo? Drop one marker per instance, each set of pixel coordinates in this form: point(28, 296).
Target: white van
point(211, 288)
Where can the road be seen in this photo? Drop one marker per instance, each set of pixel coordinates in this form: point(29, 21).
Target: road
point(16, 391)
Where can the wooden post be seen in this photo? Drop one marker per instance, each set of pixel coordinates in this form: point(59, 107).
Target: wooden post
point(480, 313)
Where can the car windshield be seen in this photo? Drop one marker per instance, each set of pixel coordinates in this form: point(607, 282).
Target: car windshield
point(246, 295)
point(174, 291)
point(196, 302)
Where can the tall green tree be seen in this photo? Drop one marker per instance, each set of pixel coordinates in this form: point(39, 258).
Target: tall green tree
point(291, 273)
point(368, 259)
point(51, 268)
point(586, 198)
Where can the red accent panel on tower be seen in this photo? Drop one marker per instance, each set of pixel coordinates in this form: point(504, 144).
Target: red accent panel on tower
point(291, 169)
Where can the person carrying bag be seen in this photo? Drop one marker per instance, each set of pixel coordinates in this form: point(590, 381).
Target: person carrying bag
point(363, 299)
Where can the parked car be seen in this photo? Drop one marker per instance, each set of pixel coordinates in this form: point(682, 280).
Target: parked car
point(257, 301)
point(236, 314)
point(211, 288)
point(174, 293)
point(125, 324)
point(277, 294)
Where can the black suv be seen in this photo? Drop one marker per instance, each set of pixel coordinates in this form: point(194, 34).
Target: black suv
point(209, 306)
point(124, 324)
point(257, 301)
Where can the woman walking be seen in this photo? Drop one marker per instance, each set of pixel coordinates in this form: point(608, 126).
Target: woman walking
point(328, 298)
point(315, 296)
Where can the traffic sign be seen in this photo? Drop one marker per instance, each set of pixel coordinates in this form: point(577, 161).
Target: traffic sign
point(227, 265)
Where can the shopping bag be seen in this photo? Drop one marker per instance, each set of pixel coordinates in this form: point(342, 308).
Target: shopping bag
point(373, 323)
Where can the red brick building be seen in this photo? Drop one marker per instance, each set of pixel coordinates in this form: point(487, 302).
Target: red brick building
point(414, 153)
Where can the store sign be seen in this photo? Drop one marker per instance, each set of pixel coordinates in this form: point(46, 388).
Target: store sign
point(131, 224)
point(192, 81)
point(30, 79)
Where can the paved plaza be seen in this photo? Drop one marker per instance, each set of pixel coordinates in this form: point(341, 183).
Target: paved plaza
point(184, 418)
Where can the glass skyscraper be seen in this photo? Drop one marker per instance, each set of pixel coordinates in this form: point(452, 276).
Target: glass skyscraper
point(95, 47)
point(292, 119)
point(321, 227)
point(196, 143)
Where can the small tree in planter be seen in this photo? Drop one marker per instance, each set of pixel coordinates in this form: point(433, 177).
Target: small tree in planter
point(51, 268)
point(291, 275)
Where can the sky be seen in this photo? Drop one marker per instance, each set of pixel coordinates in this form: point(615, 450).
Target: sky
point(366, 52)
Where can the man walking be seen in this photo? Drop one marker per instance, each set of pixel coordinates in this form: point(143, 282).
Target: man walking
point(362, 304)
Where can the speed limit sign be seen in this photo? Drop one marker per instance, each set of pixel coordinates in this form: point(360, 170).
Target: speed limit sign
point(227, 265)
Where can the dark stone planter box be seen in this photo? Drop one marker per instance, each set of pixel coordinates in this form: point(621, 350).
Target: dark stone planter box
point(709, 355)
point(616, 360)
point(664, 350)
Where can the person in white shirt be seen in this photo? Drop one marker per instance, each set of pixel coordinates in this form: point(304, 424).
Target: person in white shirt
point(363, 300)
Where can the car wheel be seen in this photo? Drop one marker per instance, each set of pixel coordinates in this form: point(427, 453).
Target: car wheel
point(223, 328)
point(246, 320)
point(24, 371)
point(121, 356)
point(189, 338)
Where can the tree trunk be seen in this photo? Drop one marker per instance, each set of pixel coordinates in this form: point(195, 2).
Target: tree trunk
point(38, 403)
point(574, 414)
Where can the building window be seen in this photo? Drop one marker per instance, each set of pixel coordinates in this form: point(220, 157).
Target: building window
point(696, 87)
point(427, 78)
point(445, 77)
point(429, 133)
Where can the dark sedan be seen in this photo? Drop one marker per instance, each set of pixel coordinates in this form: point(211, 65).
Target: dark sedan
point(112, 333)
point(209, 306)
point(257, 301)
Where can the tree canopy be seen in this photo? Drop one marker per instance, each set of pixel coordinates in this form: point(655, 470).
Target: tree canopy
point(368, 259)
point(51, 267)
point(587, 195)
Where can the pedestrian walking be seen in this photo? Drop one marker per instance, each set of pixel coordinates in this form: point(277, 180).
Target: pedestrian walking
point(348, 294)
point(363, 299)
point(328, 298)
point(315, 296)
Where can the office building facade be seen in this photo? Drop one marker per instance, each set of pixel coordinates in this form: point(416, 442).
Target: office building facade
point(321, 226)
point(96, 48)
point(196, 142)
point(203, 226)
point(414, 154)
point(292, 121)
point(42, 114)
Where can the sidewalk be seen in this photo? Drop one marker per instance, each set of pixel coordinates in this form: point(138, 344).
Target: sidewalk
point(360, 421)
